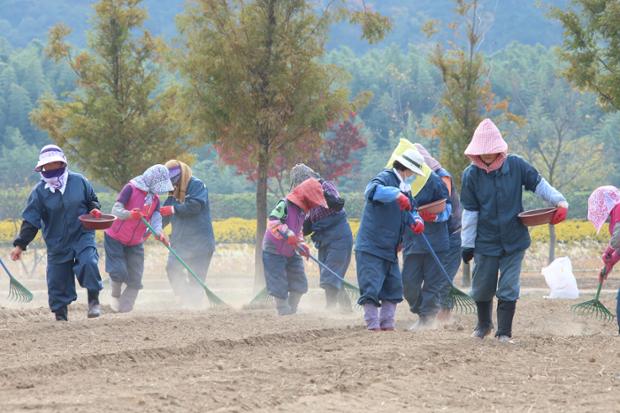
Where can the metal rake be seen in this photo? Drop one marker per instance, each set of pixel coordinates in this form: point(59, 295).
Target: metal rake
point(456, 299)
point(594, 308)
point(214, 300)
point(17, 291)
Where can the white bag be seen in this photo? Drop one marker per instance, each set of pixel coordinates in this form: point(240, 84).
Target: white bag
point(560, 279)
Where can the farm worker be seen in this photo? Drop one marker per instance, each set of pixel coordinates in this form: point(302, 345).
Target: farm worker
point(187, 210)
point(604, 203)
point(423, 280)
point(124, 240)
point(284, 268)
point(387, 212)
point(54, 206)
point(451, 259)
point(331, 235)
point(492, 234)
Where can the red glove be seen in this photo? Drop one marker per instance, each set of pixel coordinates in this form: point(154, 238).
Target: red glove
point(166, 211)
point(427, 216)
point(403, 202)
point(417, 227)
point(163, 239)
point(559, 216)
point(610, 258)
point(136, 213)
point(291, 239)
point(304, 250)
point(96, 213)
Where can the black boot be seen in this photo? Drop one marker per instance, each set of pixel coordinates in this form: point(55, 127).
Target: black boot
point(62, 314)
point(94, 310)
point(505, 314)
point(331, 297)
point(485, 319)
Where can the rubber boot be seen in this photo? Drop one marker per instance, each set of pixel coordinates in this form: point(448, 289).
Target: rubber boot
point(344, 302)
point(293, 301)
point(371, 316)
point(115, 294)
point(505, 314)
point(485, 319)
point(282, 306)
point(94, 309)
point(62, 314)
point(127, 300)
point(386, 315)
point(331, 297)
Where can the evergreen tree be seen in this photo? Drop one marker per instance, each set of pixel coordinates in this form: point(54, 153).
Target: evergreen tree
point(114, 125)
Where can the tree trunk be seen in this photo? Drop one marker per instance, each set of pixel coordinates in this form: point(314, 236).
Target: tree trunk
point(261, 214)
point(552, 240)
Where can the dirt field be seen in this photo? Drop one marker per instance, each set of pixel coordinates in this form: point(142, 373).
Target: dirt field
point(161, 358)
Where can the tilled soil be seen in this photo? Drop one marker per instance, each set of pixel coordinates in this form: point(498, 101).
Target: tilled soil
point(168, 360)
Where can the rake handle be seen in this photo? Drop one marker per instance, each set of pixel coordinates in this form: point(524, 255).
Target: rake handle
point(436, 258)
point(6, 269)
point(322, 265)
point(173, 252)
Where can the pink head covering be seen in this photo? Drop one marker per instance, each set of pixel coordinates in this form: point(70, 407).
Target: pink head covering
point(487, 140)
point(428, 159)
point(600, 203)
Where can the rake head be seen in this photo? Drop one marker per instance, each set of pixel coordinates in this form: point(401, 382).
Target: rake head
point(594, 309)
point(460, 301)
point(261, 301)
point(19, 293)
point(214, 300)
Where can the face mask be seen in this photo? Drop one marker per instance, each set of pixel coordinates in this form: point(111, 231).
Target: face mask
point(409, 179)
point(53, 174)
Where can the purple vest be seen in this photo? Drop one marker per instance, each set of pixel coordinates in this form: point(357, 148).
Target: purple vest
point(294, 220)
point(132, 232)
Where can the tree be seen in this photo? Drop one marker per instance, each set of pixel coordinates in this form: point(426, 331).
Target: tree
point(591, 47)
point(255, 85)
point(467, 97)
point(114, 124)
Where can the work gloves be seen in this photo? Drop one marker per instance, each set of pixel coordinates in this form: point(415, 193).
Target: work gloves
point(427, 216)
point(417, 227)
point(560, 214)
point(136, 213)
point(166, 211)
point(403, 202)
point(95, 213)
point(610, 257)
point(467, 254)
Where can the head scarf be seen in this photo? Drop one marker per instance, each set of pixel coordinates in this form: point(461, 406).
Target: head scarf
point(308, 195)
point(55, 180)
point(428, 159)
point(155, 180)
point(180, 173)
point(487, 140)
point(300, 173)
point(600, 203)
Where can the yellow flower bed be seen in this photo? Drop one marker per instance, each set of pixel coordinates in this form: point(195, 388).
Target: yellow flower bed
point(572, 230)
point(239, 230)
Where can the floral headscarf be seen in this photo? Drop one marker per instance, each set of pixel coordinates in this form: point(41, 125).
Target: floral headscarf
point(600, 204)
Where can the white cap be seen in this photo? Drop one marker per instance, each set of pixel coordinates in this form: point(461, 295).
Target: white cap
point(412, 160)
point(49, 154)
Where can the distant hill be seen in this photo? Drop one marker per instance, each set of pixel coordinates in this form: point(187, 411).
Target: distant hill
point(523, 21)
